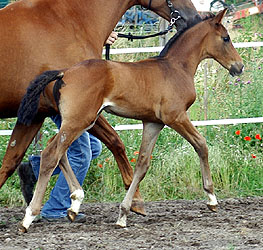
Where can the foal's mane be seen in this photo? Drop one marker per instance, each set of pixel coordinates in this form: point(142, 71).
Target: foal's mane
point(179, 33)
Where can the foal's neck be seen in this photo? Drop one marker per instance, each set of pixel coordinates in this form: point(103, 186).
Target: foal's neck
point(188, 50)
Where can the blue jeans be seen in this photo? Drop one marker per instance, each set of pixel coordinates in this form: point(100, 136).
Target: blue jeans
point(80, 153)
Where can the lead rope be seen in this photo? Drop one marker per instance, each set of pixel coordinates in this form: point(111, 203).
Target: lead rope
point(175, 15)
point(131, 37)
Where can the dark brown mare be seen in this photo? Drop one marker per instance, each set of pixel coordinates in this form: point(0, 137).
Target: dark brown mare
point(39, 35)
point(157, 91)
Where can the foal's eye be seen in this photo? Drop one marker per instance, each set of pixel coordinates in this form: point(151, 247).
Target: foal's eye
point(226, 39)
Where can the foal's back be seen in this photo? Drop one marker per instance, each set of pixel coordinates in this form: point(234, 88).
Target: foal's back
point(138, 90)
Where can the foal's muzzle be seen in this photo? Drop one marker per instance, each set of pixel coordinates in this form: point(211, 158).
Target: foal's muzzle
point(236, 69)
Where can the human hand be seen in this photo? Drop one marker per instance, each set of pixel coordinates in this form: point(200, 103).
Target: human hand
point(112, 38)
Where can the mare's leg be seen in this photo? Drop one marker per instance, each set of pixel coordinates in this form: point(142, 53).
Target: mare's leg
point(149, 137)
point(20, 139)
point(50, 158)
point(103, 131)
point(185, 128)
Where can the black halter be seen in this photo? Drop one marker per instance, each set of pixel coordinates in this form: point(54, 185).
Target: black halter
point(174, 13)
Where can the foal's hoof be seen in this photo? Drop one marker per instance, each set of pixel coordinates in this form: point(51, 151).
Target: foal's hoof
point(118, 226)
point(71, 215)
point(137, 207)
point(121, 223)
point(21, 228)
point(213, 208)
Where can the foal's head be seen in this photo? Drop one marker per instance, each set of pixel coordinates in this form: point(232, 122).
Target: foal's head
point(219, 46)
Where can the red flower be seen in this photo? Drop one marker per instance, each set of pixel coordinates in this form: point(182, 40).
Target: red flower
point(100, 165)
point(253, 156)
point(247, 138)
point(238, 132)
point(257, 136)
point(136, 153)
point(133, 160)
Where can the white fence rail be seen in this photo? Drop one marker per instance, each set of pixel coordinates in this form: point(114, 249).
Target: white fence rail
point(159, 49)
point(195, 123)
point(201, 123)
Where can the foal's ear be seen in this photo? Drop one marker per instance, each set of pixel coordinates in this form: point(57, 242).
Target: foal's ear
point(218, 18)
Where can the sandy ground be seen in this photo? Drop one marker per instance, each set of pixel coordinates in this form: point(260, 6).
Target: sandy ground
point(181, 224)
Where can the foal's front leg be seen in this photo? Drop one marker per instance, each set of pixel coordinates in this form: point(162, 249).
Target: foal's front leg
point(185, 128)
point(149, 137)
point(103, 131)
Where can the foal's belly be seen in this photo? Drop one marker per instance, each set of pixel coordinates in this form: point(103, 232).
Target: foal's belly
point(142, 114)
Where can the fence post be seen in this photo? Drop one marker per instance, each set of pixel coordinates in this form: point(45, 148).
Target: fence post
point(164, 38)
point(205, 91)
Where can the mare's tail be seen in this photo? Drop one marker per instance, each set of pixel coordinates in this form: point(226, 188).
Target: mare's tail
point(30, 102)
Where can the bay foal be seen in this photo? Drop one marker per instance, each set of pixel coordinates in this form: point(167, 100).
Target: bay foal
point(40, 35)
point(157, 91)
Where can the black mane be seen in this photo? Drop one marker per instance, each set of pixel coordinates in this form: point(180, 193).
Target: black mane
point(179, 33)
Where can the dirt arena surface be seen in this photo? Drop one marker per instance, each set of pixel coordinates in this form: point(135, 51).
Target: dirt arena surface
point(181, 224)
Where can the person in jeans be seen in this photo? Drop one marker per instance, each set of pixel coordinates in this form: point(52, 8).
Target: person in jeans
point(80, 153)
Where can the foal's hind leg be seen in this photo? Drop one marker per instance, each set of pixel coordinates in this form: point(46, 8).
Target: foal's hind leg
point(185, 128)
point(50, 158)
point(76, 190)
point(20, 139)
point(150, 135)
point(103, 131)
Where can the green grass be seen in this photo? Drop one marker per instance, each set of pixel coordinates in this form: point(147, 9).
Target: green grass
point(175, 170)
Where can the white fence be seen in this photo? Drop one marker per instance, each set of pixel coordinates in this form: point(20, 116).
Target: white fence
point(195, 123)
point(159, 49)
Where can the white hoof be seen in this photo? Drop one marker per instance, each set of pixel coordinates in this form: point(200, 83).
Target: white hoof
point(28, 219)
point(212, 200)
point(121, 222)
point(76, 199)
point(212, 203)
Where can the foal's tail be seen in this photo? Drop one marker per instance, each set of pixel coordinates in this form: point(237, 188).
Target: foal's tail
point(30, 102)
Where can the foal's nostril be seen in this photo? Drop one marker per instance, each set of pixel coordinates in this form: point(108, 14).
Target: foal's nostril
point(242, 68)
point(236, 69)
